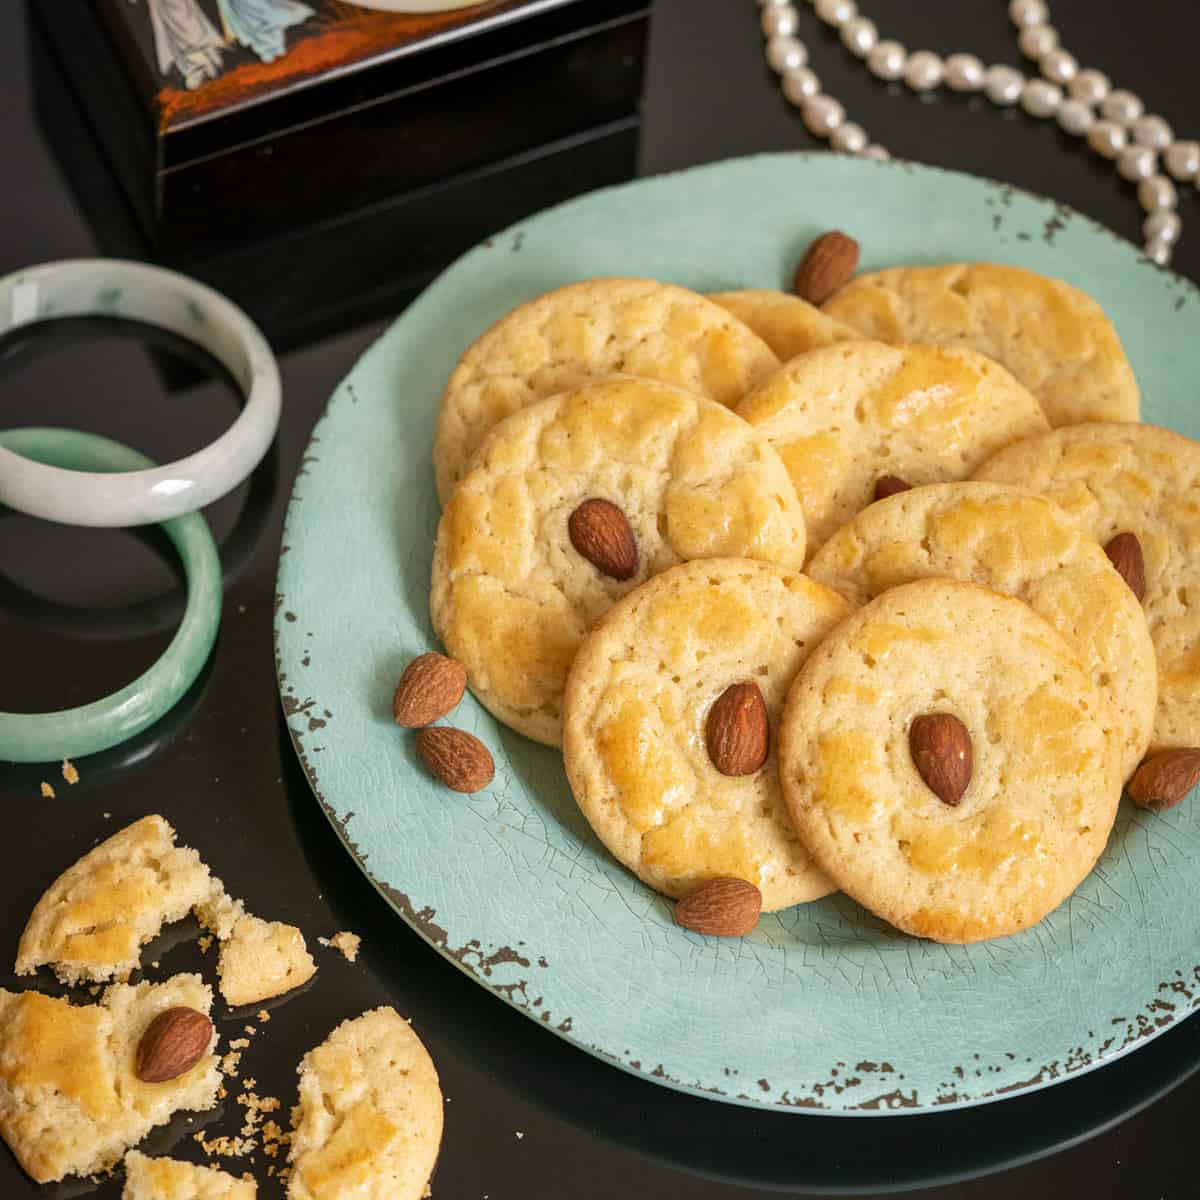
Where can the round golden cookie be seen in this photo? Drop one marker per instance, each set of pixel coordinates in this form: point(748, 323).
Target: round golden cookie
point(1054, 338)
point(512, 597)
point(588, 331)
point(788, 324)
point(1020, 544)
point(1046, 781)
point(844, 415)
point(1139, 479)
point(636, 710)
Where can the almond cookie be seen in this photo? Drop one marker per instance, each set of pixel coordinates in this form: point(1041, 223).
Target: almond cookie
point(676, 477)
point(369, 1121)
point(844, 416)
point(1043, 786)
point(637, 710)
point(170, 1179)
point(70, 1103)
point(1020, 544)
point(1138, 479)
point(1054, 338)
point(789, 325)
point(587, 331)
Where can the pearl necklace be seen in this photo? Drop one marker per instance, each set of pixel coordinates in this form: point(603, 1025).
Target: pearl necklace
point(1114, 122)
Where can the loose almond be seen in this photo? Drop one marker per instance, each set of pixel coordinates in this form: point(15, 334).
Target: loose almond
point(1164, 779)
point(941, 750)
point(174, 1042)
point(431, 686)
point(737, 731)
point(890, 485)
point(722, 907)
point(600, 531)
point(828, 263)
point(456, 758)
point(1125, 553)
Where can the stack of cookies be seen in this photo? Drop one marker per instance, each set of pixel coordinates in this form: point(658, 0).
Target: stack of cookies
point(879, 586)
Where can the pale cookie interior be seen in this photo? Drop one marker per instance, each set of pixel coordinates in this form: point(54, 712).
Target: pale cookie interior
point(843, 416)
point(262, 959)
point(788, 324)
point(369, 1121)
point(637, 705)
point(1053, 337)
point(70, 1103)
point(1139, 479)
point(1043, 794)
point(170, 1179)
point(588, 331)
point(512, 598)
point(1023, 545)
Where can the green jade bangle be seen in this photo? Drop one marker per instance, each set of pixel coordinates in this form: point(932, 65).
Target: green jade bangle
point(76, 732)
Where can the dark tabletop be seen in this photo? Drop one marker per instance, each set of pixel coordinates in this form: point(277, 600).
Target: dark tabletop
point(82, 612)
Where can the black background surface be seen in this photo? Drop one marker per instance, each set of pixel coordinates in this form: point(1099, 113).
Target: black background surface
point(83, 611)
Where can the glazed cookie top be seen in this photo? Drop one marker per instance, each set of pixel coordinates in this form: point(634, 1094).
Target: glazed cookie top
point(587, 331)
point(1139, 479)
point(1054, 338)
point(788, 324)
point(513, 596)
point(1045, 782)
point(1018, 543)
point(843, 416)
point(636, 711)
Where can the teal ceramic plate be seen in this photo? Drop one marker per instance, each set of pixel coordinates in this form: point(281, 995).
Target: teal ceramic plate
point(822, 1009)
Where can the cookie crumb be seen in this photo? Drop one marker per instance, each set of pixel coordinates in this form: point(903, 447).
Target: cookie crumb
point(230, 1062)
point(205, 942)
point(48, 792)
point(263, 1015)
point(251, 1030)
point(68, 771)
point(519, 1134)
point(239, 1043)
point(345, 942)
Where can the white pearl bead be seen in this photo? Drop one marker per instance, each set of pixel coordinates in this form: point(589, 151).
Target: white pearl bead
point(780, 21)
point(1003, 84)
point(877, 152)
point(1058, 66)
point(786, 54)
point(1162, 226)
point(849, 138)
point(1027, 12)
point(1040, 98)
point(1107, 138)
point(836, 12)
point(887, 60)
point(800, 85)
point(1151, 131)
point(1183, 159)
point(923, 71)
point(1075, 118)
point(1036, 41)
point(822, 115)
point(964, 73)
point(1155, 192)
point(859, 36)
point(1089, 86)
point(1158, 251)
point(1121, 106)
point(1136, 162)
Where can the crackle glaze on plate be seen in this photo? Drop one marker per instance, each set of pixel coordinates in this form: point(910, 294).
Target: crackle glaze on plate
point(823, 1008)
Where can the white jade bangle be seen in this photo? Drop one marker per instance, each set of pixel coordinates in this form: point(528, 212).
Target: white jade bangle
point(138, 292)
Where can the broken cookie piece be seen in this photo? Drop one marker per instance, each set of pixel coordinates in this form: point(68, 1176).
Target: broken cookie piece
point(261, 959)
point(170, 1179)
point(70, 1102)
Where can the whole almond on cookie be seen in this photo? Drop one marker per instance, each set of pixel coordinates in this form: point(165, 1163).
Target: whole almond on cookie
point(737, 731)
point(456, 758)
point(940, 746)
point(1125, 553)
point(1164, 779)
point(722, 907)
point(431, 686)
point(174, 1042)
point(601, 532)
point(828, 264)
